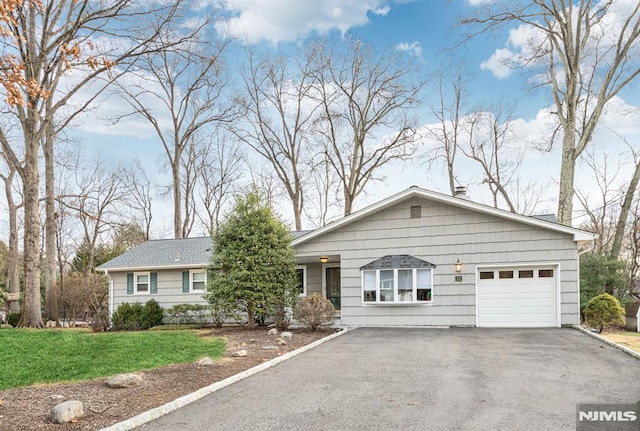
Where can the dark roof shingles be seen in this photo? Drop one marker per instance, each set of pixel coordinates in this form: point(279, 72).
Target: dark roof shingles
point(164, 253)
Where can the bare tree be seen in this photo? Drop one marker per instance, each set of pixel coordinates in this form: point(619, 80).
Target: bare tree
point(100, 195)
point(488, 134)
point(625, 208)
point(140, 192)
point(366, 120)
point(451, 92)
point(189, 173)
point(326, 201)
point(42, 42)
point(631, 248)
point(588, 51)
point(13, 262)
point(601, 209)
point(180, 91)
point(281, 114)
point(219, 170)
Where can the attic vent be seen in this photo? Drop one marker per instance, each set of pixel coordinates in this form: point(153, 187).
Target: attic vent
point(416, 211)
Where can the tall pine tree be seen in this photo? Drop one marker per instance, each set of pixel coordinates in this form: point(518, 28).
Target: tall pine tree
point(252, 262)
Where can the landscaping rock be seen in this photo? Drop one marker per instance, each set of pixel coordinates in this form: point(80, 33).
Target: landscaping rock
point(56, 397)
point(50, 324)
point(66, 412)
point(269, 347)
point(286, 334)
point(272, 331)
point(239, 354)
point(5, 326)
point(125, 381)
point(205, 361)
point(281, 342)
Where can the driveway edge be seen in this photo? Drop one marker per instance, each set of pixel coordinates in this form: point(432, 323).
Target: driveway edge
point(609, 342)
point(162, 410)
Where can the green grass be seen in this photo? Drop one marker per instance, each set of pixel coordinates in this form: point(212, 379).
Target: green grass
point(30, 356)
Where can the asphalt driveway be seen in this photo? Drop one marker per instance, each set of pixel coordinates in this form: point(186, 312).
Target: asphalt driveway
point(424, 379)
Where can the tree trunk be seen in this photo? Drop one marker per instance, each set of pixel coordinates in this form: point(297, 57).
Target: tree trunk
point(13, 268)
point(32, 306)
point(177, 198)
point(51, 303)
point(348, 203)
point(251, 318)
point(624, 213)
point(13, 258)
point(567, 175)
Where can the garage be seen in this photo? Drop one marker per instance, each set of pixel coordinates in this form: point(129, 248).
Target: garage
point(517, 297)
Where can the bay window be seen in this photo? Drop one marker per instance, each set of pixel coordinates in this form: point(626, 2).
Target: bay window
point(397, 280)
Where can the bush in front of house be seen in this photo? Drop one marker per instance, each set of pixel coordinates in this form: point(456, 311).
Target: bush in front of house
point(222, 309)
point(188, 314)
point(604, 310)
point(13, 319)
point(315, 312)
point(599, 273)
point(134, 317)
point(152, 314)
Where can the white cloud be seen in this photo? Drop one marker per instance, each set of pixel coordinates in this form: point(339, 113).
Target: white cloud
point(499, 63)
point(382, 10)
point(526, 44)
point(288, 20)
point(414, 47)
point(476, 3)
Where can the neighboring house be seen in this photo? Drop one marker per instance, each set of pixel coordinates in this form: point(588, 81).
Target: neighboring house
point(417, 258)
point(632, 317)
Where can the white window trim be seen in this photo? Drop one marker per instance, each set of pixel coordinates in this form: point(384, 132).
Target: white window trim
point(304, 280)
point(135, 283)
point(395, 287)
point(197, 271)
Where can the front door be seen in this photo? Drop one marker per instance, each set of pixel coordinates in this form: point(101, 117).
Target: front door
point(331, 277)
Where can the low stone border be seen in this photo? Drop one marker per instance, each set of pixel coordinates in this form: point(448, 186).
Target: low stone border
point(162, 410)
point(609, 342)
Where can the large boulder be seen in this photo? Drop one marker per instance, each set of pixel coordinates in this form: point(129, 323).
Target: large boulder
point(66, 412)
point(125, 381)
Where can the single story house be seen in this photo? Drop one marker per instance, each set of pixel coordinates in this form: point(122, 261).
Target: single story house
point(417, 258)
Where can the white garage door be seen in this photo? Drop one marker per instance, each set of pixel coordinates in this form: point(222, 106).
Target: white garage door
point(517, 297)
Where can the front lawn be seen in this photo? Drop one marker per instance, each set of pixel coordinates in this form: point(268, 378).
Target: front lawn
point(626, 338)
point(29, 356)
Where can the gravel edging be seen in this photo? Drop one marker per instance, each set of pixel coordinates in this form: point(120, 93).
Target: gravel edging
point(609, 342)
point(162, 410)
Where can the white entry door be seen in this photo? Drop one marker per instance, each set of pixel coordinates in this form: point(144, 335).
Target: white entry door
point(517, 297)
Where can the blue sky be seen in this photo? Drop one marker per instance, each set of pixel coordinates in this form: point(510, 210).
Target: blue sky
point(426, 29)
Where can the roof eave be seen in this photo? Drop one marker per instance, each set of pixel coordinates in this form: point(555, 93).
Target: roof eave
point(152, 268)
